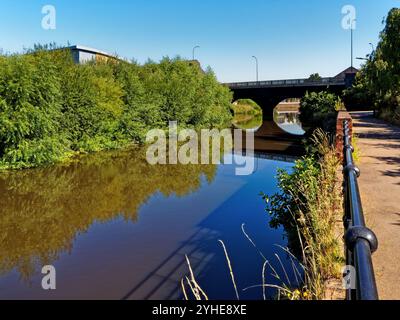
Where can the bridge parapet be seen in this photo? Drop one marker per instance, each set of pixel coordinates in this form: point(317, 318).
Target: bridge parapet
point(286, 83)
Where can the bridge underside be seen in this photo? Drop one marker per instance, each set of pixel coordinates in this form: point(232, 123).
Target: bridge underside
point(269, 98)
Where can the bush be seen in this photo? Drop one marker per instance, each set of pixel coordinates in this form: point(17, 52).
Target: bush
point(51, 107)
point(30, 111)
point(319, 110)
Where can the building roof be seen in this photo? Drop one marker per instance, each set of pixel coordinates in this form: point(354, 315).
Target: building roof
point(91, 50)
point(349, 70)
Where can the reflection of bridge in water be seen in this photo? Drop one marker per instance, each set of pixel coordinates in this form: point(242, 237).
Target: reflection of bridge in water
point(201, 246)
point(273, 143)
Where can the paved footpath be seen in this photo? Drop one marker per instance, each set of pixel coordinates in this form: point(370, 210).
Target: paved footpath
point(379, 144)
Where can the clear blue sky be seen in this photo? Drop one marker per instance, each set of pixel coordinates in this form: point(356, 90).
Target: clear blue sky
point(291, 38)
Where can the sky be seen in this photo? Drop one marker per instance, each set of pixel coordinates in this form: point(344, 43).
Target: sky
point(290, 38)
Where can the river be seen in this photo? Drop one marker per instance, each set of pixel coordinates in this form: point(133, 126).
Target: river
point(115, 227)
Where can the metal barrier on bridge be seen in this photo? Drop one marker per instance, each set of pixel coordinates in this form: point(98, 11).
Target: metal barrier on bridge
point(288, 83)
point(360, 241)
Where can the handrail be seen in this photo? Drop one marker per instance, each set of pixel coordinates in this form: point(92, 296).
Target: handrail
point(360, 241)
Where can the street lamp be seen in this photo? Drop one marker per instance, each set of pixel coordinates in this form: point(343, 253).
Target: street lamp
point(351, 29)
point(255, 58)
point(372, 46)
point(196, 47)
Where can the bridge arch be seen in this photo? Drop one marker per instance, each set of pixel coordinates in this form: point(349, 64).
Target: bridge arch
point(267, 94)
point(269, 98)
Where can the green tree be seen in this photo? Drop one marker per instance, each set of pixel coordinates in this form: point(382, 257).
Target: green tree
point(378, 82)
point(318, 110)
point(315, 77)
point(51, 108)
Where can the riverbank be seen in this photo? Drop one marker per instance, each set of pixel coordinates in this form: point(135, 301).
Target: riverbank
point(309, 206)
point(379, 145)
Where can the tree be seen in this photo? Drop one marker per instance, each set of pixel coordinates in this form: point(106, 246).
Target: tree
point(379, 80)
point(318, 110)
point(315, 77)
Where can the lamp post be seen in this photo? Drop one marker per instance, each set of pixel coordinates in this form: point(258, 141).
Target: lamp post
point(255, 58)
point(351, 29)
point(194, 49)
point(372, 46)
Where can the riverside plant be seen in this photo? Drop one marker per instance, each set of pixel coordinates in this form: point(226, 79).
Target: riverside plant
point(309, 207)
point(286, 290)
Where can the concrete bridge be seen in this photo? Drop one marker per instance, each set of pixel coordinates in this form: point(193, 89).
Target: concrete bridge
point(268, 94)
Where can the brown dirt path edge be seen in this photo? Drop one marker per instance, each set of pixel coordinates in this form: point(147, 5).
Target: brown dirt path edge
point(379, 144)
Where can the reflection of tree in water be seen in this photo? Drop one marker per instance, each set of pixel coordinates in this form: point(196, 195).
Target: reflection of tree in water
point(43, 210)
point(244, 121)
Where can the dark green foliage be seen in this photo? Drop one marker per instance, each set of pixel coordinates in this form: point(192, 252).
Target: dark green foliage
point(319, 110)
point(51, 108)
point(378, 83)
point(315, 77)
point(30, 111)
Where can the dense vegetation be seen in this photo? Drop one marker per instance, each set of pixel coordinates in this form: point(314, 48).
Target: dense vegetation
point(308, 206)
point(378, 82)
point(310, 200)
point(319, 110)
point(51, 108)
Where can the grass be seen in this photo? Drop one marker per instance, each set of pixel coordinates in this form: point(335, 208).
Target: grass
point(357, 151)
point(309, 207)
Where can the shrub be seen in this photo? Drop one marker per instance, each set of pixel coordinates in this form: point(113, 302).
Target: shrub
point(30, 111)
point(318, 110)
point(51, 107)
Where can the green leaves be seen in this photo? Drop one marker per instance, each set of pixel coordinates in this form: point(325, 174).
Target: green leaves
point(378, 83)
point(318, 110)
point(50, 107)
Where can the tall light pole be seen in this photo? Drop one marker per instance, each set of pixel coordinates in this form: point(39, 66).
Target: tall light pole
point(351, 29)
point(255, 58)
point(372, 46)
point(194, 49)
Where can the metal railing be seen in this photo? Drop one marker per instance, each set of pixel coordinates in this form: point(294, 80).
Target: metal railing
point(290, 82)
point(360, 241)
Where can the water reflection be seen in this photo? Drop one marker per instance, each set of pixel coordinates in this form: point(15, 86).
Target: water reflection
point(43, 210)
point(115, 227)
point(289, 121)
point(248, 122)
